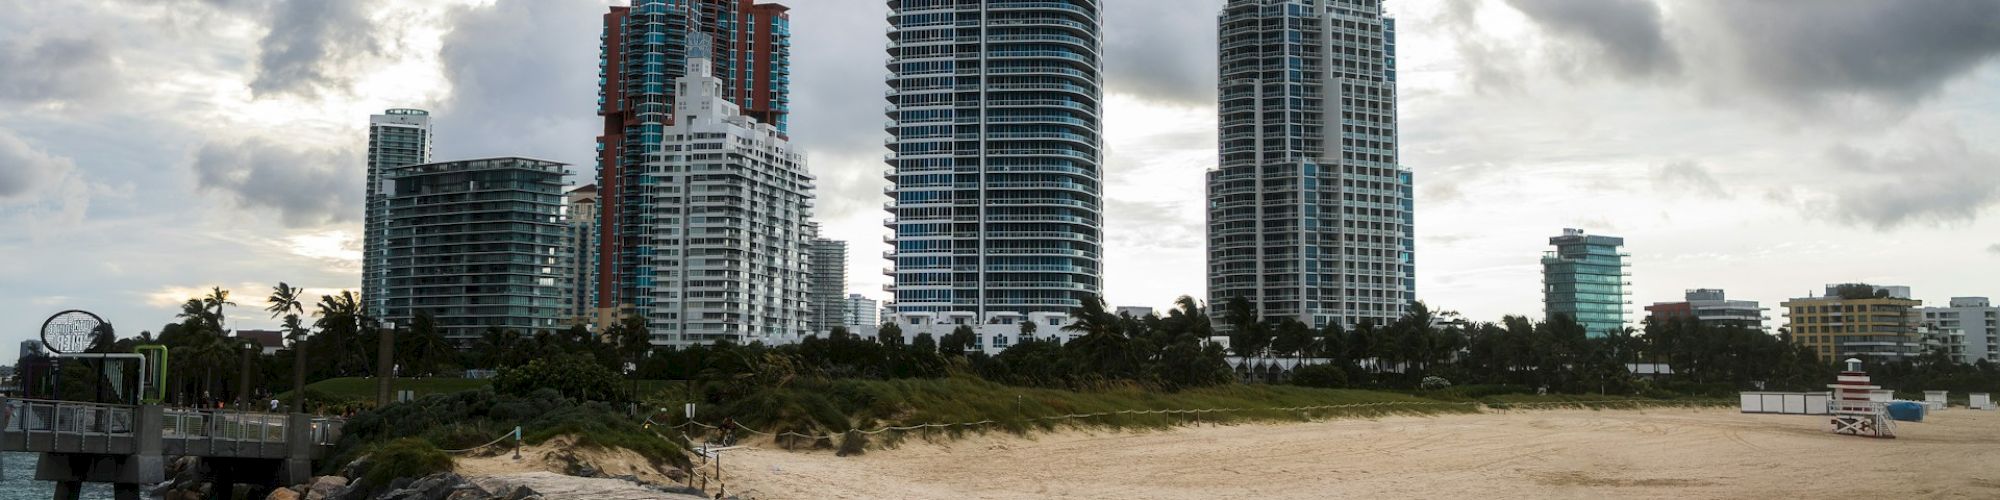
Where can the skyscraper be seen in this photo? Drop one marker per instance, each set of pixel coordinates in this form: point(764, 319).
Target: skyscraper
point(828, 276)
point(581, 214)
point(397, 137)
point(725, 233)
point(1584, 278)
point(995, 109)
point(477, 244)
point(1310, 214)
point(645, 47)
point(859, 312)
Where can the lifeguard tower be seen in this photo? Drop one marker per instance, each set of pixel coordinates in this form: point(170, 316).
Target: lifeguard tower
point(1854, 412)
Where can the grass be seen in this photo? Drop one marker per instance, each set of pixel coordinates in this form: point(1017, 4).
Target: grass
point(835, 407)
point(363, 388)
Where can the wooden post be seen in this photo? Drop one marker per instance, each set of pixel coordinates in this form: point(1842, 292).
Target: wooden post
point(385, 353)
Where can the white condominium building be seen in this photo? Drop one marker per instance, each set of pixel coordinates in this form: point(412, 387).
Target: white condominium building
point(728, 200)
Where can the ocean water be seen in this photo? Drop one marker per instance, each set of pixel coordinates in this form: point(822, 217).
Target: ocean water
point(17, 480)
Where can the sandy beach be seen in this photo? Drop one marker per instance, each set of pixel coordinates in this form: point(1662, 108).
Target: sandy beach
point(1657, 453)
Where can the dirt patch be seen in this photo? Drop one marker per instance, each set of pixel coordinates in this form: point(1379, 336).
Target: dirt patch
point(561, 455)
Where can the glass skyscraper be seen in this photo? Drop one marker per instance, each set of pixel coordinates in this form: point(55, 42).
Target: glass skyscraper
point(1585, 279)
point(828, 278)
point(477, 244)
point(644, 47)
point(1310, 215)
point(996, 112)
point(396, 138)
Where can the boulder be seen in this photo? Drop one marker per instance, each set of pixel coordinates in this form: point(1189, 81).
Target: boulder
point(323, 487)
point(522, 493)
point(469, 494)
point(355, 468)
point(282, 494)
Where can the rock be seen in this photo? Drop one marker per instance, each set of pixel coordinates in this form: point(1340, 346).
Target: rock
point(282, 494)
point(469, 494)
point(355, 468)
point(323, 487)
point(522, 493)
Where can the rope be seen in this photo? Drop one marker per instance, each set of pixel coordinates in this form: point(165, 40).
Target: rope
point(906, 428)
point(516, 434)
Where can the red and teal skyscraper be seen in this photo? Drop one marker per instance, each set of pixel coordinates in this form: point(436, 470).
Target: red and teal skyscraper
point(645, 46)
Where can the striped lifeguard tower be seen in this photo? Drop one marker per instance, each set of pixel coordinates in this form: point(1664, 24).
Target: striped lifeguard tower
point(1853, 411)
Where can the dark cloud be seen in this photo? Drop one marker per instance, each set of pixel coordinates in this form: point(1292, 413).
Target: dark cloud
point(1941, 181)
point(310, 46)
point(1492, 66)
point(55, 69)
point(523, 76)
point(1898, 52)
point(1690, 178)
point(1625, 35)
point(1161, 51)
point(25, 171)
point(301, 188)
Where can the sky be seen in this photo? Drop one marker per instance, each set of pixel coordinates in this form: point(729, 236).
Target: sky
point(151, 150)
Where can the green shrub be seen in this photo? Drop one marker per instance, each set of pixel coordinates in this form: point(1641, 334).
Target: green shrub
point(1434, 383)
point(1321, 376)
point(406, 457)
point(572, 375)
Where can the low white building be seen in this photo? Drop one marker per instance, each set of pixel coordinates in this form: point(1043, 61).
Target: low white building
point(995, 333)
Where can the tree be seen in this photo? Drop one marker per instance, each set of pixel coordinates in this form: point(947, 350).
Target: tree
point(1091, 318)
point(340, 324)
point(216, 299)
point(1028, 328)
point(1292, 338)
point(960, 340)
point(284, 301)
point(889, 334)
point(423, 345)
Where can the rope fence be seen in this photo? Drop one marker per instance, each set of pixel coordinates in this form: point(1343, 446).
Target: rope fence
point(1194, 411)
point(516, 434)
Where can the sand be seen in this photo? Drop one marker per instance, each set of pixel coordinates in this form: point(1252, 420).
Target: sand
point(1655, 453)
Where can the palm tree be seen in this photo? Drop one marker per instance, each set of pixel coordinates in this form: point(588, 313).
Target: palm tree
point(1091, 318)
point(284, 300)
point(194, 313)
point(216, 299)
point(339, 324)
point(424, 345)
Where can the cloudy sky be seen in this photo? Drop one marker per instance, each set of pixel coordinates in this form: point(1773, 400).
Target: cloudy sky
point(149, 150)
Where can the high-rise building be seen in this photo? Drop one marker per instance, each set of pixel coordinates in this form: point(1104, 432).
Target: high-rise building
point(1310, 214)
point(396, 138)
point(581, 213)
point(644, 48)
point(1585, 279)
point(1857, 319)
point(477, 244)
point(1972, 323)
point(728, 200)
point(996, 112)
point(859, 311)
point(1711, 307)
point(828, 275)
